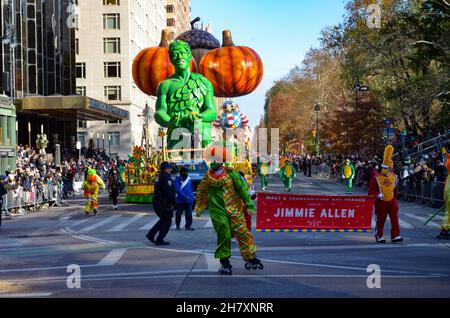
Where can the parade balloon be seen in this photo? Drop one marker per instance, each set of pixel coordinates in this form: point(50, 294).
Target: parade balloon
point(233, 70)
point(201, 42)
point(152, 66)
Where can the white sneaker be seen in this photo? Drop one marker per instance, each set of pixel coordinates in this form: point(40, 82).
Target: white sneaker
point(398, 239)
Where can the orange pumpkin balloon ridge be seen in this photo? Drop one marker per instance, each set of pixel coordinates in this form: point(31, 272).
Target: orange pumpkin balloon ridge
point(152, 66)
point(233, 70)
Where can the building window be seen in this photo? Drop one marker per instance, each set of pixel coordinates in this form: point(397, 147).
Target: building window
point(81, 90)
point(111, 21)
point(111, 45)
point(81, 137)
point(170, 8)
point(111, 2)
point(113, 93)
point(77, 46)
point(115, 139)
point(111, 69)
point(81, 70)
point(82, 124)
point(170, 22)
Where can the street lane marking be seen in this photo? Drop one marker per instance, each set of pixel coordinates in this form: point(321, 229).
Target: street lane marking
point(211, 262)
point(113, 257)
point(422, 220)
point(32, 295)
point(208, 224)
point(93, 239)
point(80, 222)
point(99, 224)
point(405, 225)
point(124, 224)
point(149, 225)
point(191, 274)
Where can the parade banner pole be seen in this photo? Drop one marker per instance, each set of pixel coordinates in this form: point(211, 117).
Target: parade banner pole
point(433, 216)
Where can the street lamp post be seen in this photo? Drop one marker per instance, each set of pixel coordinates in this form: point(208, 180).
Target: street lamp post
point(317, 110)
point(29, 135)
point(109, 144)
point(103, 137)
point(98, 141)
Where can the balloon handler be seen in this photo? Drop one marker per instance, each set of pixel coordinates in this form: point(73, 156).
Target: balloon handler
point(287, 173)
point(384, 188)
point(263, 174)
point(348, 174)
point(226, 196)
point(445, 228)
point(90, 188)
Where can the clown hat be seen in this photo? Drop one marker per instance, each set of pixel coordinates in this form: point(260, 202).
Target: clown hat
point(217, 155)
point(387, 158)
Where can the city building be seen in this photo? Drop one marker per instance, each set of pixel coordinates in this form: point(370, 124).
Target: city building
point(110, 34)
point(178, 16)
point(38, 73)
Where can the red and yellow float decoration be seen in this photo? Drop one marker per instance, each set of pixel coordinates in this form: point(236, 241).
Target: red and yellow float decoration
point(140, 177)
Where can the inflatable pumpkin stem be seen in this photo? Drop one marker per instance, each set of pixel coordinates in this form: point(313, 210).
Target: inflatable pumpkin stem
point(165, 38)
point(227, 39)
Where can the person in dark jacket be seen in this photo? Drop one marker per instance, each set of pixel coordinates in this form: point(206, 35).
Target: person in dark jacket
point(2, 193)
point(114, 187)
point(163, 204)
point(184, 198)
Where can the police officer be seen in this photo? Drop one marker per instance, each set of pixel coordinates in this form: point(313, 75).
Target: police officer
point(163, 204)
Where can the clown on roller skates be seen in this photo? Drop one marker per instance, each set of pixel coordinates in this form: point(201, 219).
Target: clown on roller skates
point(226, 195)
point(90, 189)
point(384, 188)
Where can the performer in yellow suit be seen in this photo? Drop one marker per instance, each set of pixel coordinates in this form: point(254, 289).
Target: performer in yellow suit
point(384, 188)
point(90, 188)
point(445, 228)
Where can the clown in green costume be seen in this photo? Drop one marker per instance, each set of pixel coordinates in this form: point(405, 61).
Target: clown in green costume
point(226, 195)
point(185, 99)
point(287, 173)
point(348, 173)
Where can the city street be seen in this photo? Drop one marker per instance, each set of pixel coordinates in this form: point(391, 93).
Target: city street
point(116, 260)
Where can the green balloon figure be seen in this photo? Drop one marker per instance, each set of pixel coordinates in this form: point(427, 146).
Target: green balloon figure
point(185, 97)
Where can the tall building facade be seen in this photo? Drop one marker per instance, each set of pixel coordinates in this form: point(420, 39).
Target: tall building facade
point(178, 16)
point(110, 34)
point(39, 42)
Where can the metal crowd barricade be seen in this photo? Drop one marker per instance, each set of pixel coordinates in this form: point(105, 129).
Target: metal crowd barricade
point(426, 192)
point(18, 202)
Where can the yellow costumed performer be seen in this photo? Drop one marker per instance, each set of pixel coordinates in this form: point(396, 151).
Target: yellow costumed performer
point(90, 189)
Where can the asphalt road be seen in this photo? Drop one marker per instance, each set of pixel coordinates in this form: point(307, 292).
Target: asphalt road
point(42, 253)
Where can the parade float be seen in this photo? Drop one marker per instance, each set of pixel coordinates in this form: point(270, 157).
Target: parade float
point(185, 99)
point(141, 170)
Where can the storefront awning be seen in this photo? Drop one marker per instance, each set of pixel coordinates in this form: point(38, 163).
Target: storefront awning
point(71, 107)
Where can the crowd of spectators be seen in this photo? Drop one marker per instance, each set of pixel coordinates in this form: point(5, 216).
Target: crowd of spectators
point(38, 178)
point(421, 175)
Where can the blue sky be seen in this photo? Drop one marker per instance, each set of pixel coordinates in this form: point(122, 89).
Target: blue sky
point(281, 31)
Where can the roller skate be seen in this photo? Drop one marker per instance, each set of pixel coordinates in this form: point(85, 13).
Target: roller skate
point(225, 268)
point(95, 212)
point(253, 264)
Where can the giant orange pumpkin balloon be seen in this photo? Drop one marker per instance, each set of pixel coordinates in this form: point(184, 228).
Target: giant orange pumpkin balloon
point(233, 70)
point(152, 66)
